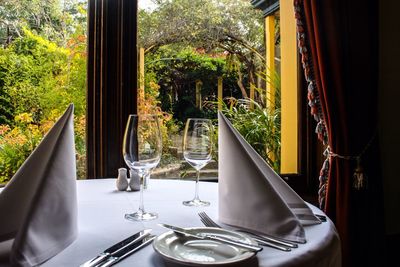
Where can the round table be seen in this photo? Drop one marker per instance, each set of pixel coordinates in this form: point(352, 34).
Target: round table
point(101, 210)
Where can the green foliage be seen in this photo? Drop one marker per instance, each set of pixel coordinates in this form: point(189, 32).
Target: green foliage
point(228, 36)
point(257, 123)
point(17, 144)
point(216, 26)
point(200, 23)
point(42, 71)
point(55, 20)
point(177, 73)
point(6, 111)
point(192, 64)
point(28, 67)
point(39, 79)
point(259, 126)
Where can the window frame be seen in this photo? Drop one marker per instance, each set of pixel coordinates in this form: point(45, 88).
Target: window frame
point(111, 82)
point(304, 180)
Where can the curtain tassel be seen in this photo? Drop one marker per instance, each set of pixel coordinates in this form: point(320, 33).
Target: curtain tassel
point(359, 176)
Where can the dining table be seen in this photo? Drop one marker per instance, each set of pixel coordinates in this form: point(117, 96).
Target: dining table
point(101, 223)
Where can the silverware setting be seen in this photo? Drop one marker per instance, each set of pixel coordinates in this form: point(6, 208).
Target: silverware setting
point(126, 251)
point(277, 243)
point(184, 232)
point(321, 217)
point(126, 247)
point(121, 249)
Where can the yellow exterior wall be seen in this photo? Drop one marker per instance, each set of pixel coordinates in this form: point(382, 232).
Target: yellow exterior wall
point(270, 58)
point(289, 93)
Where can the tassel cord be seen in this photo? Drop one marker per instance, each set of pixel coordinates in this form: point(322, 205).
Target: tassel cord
point(359, 177)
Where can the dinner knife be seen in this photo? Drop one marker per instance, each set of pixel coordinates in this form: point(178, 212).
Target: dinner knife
point(185, 232)
point(116, 248)
point(126, 251)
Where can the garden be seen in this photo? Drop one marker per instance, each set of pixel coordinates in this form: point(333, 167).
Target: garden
point(188, 46)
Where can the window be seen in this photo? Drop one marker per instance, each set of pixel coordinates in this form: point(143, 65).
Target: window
point(112, 89)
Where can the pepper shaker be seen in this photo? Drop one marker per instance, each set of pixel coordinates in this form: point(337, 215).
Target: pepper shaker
point(122, 180)
point(134, 182)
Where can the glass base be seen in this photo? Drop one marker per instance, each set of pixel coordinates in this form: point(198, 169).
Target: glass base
point(141, 216)
point(196, 203)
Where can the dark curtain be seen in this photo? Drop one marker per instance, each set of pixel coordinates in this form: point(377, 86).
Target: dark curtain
point(111, 83)
point(338, 42)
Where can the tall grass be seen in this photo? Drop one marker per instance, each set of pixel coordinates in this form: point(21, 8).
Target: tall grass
point(259, 121)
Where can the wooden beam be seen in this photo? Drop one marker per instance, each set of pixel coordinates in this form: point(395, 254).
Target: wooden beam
point(220, 93)
point(198, 94)
point(141, 73)
point(252, 95)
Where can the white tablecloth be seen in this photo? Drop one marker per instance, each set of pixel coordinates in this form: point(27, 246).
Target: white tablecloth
point(102, 223)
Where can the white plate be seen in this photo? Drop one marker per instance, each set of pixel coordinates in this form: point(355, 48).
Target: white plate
point(192, 251)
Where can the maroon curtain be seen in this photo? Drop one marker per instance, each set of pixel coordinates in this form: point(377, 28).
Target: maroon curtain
point(338, 42)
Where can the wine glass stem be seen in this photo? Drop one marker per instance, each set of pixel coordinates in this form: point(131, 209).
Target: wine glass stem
point(196, 192)
point(141, 205)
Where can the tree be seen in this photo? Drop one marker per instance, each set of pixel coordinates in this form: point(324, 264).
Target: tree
point(176, 72)
point(38, 79)
point(56, 20)
point(224, 25)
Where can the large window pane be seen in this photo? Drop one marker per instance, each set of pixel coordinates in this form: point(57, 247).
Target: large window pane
point(196, 57)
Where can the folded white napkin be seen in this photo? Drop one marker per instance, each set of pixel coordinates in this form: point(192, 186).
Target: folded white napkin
point(252, 195)
point(38, 207)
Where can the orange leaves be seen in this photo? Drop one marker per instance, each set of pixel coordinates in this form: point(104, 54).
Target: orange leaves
point(76, 40)
point(4, 128)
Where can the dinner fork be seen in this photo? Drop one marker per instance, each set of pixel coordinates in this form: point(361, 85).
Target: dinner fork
point(262, 240)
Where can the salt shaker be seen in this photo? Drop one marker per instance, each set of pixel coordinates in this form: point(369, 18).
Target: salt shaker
point(134, 182)
point(122, 180)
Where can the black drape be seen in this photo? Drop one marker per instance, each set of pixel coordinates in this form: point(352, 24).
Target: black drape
point(338, 40)
point(111, 82)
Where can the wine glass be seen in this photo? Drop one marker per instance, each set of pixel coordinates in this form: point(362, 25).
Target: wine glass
point(142, 151)
point(197, 147)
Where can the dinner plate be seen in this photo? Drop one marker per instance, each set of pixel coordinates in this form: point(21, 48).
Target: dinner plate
point(191, 251)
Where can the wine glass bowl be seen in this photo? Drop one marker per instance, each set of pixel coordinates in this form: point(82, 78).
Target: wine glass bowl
point(141, 150)
point(197, 149)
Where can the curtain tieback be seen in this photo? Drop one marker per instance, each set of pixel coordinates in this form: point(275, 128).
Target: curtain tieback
point(360, 179)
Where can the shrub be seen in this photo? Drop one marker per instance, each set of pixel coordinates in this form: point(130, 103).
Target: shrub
point(38, 80)
point(258, 124)
point(17, 143)
point(149, 104)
